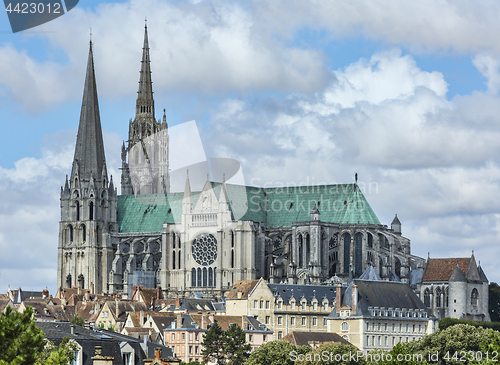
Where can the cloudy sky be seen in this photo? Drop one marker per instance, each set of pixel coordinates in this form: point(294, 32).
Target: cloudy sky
point(404, 93)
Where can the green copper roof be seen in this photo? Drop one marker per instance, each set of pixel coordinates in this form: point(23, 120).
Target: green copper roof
point(275, 207)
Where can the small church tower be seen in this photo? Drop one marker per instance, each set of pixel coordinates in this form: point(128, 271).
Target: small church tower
point(88, 203)
point(147, 170)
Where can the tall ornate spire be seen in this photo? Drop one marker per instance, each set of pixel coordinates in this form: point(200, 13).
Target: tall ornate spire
point(145, 103)
point(89, 151)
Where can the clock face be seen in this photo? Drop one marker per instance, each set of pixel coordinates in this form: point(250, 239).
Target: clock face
point(277, 242)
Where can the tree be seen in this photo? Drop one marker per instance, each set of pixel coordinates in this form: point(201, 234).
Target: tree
point(277, 353)
point(79, 321)
point(213, 344)
point(447, 342)
point(494, 302)
point(236, 349)
point(23, 343)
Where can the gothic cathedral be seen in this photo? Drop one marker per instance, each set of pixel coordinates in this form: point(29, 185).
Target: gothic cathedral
point(207, 240)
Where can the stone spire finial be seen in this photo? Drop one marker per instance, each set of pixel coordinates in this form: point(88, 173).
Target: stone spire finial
point(89, 152)
point(145, 101)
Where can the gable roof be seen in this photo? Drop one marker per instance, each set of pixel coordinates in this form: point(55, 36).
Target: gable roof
point(245, 287)
point(442, 269)
point(340, 203)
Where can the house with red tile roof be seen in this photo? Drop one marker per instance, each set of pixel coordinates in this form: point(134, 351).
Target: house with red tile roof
point(456, 288)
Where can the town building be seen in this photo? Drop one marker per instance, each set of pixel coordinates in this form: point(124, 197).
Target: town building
point(313, 339)
point(378, 314)
point(283, 308)
point(185, 334)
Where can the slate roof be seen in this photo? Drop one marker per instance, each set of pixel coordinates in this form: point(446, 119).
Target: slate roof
point(245, 287)
point(387, 294)
point(341, 203)
point(312, 338)
point(125, 306)
point(287, 291)
point(441, 269)
point(163, 320)
point(87, 339)
point(370, 274)
point(195, 305)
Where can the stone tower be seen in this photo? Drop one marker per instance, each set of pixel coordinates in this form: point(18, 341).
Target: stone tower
point(88, 203)
point(147, 170)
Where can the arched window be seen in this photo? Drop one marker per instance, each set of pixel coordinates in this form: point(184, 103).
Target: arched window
point(98, 234)
point(210, 277)
point(232, 259)
point(215, 277)
point(397, 267)
point(68, 281)
point(427, 298)
point(173, 260)
point(84, 233)
point(70, 233)
point(204, 276)
point(347, 252)
point(77, 210)
point(173, 240)
point(199, 277)
point(301, 261)
point(474, 297)
point(308, 250)
point(345, 326)
point(179, 260)
point(91, 211)
point(370, 240)
point(81, 281)
point(358, 254)
point(193, 277)
point(438, 297)
point(232, 239)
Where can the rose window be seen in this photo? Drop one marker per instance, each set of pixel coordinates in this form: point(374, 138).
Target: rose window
point(205, 249)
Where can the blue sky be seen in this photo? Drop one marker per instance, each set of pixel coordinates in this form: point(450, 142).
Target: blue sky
point(403, 93)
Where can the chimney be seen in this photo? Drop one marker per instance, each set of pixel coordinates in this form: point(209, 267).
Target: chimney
point(244, 322)
point(211, 317)
point(91, 288)
point(141, 318)
point(239, 294)
point(158, 292)
point(179, 320)
point(338, 298)
point(87, 295)
point(45, 293)
point(158, 353)
point(354, 300)
point(72, 328)
point(204, 321)
point(177, 302)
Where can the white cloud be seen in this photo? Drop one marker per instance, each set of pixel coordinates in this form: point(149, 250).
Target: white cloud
point(431, 160)
point(489, 68)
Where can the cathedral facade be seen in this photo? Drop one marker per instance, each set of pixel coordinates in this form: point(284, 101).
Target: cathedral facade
point(206, 240)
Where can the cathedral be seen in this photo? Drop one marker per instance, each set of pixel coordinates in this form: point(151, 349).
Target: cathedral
point(206, 240)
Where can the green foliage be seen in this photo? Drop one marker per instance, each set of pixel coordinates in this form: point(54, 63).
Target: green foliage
point(276, 353)
point(213, 345)
point(111, 328)
point(23, 343)
point(102, 326)
point(79, 321)
point(236, 349)
point(398, 355)
point(490, 349)
point(447, 322)
point(494, 302)
point(333, 353)
point(191, 363)
point(446, 342)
